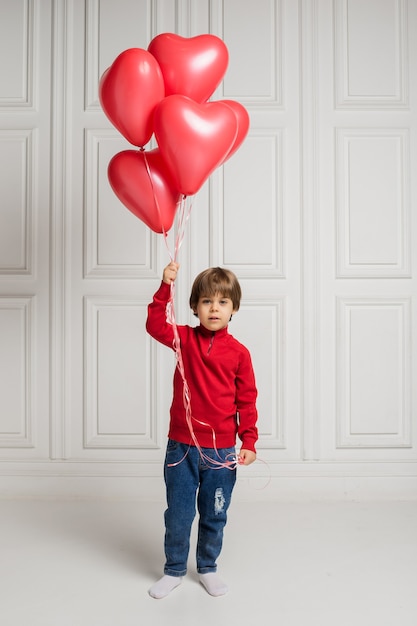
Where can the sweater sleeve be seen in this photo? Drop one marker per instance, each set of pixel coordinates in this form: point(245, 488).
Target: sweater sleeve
point(246, 394)
point(156, 324)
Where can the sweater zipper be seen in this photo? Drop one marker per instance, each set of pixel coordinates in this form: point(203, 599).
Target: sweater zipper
point(211, 342)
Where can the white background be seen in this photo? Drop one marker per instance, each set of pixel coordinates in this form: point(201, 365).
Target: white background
point(315, 213)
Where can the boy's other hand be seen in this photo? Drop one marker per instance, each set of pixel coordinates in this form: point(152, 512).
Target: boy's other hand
point(246, 457)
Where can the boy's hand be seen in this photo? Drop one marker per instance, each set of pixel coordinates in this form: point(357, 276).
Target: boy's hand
point(246, 457)
point(170, 272)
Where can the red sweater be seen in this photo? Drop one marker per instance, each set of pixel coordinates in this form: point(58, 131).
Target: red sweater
point(218, 370)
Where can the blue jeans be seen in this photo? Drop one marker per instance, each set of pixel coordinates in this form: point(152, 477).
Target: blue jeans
point(187, 478)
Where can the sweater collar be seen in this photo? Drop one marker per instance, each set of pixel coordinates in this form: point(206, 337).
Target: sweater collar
point(205, 332)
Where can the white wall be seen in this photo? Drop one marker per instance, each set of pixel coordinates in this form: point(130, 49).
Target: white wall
point(314, 213)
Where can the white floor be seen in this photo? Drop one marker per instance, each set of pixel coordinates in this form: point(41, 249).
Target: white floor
point(91, 563)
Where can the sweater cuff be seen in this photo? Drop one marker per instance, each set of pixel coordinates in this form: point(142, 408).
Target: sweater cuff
point(163, 292)
point(248, 445)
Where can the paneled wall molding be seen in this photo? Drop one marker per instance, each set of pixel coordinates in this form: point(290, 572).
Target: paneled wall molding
point(145, 469)
point(17, 156)
point(92, 60)
point(373, 202)
point(310, 231)
point(270, 319)
point(374, 372)
point(238, 244)
point(116, 243)
point(17, 364)
point(371, 65)
point(21, 32)
point(134, 32)
point(313, 213)
point(120, 409)
point(60, 185)
point(256, 68)
point(280, 483)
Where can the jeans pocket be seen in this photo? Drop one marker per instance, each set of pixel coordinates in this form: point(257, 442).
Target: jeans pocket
point(172, 445)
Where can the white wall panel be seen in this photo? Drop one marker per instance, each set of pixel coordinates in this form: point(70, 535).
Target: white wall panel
point(25, 174)
point(372, 178)
point(268, 362)
point(111, 28)
point(118, 375)
point(117, 244)
point(371, 60)
point(313, 213)
point(165, 17)
point(16, 175)
point(367, 404)
point(16, 44)
point(16, 372)
point(250, 234)
point(374, 381)
point(255, 70)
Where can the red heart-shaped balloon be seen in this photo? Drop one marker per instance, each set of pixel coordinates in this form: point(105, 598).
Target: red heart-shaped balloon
point(192, 66)
point(193, 138)
point(129, 91)
point(243, 122)
point(142, 182)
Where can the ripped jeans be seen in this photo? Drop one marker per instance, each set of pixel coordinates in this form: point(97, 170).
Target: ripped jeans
point(189, 478)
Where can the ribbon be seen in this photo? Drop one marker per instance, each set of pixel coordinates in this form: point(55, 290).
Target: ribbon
point(183, 214)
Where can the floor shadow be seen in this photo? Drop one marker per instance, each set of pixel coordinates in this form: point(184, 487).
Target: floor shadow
point(127, 533)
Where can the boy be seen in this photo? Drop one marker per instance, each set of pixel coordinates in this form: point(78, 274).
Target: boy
point(200, 457)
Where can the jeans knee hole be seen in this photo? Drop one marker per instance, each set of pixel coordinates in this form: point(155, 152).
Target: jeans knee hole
point(219, 501)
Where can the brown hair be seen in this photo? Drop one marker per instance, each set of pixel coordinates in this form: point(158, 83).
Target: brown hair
point(216, 280)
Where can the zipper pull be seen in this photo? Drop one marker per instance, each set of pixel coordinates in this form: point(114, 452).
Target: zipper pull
point(211, 342)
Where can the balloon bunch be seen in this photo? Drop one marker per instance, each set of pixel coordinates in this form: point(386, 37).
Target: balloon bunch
point(164, 91)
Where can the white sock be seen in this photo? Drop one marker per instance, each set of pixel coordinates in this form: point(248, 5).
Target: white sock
point(164, 586)
point(213, 584)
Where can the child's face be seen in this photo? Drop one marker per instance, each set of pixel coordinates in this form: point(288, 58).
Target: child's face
point(214, 312)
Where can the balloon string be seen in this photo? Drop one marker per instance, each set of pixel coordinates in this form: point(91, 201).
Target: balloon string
point(183, 214)
point(219, 463)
